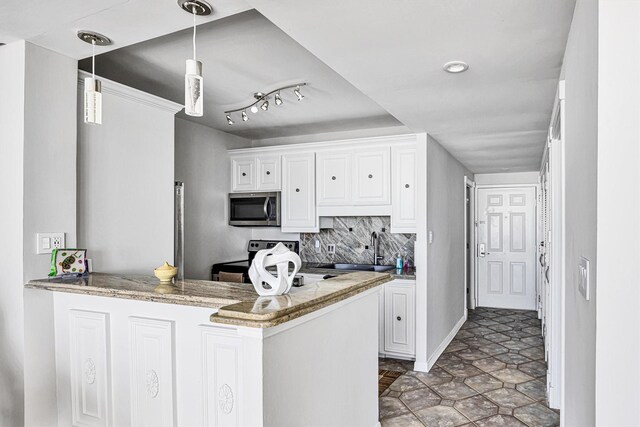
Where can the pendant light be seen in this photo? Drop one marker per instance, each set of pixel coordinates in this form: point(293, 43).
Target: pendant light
point(193, 81)
point(93, 86)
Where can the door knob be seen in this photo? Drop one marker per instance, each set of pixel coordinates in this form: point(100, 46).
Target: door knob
point(398, 318)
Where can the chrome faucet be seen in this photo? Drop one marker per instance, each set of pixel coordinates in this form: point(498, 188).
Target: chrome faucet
point(374, 242)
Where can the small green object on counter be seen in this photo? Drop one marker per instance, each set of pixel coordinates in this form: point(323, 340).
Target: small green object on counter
point(68, 261)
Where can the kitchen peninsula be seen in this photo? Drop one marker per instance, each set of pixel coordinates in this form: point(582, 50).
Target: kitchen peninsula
point(214, 353)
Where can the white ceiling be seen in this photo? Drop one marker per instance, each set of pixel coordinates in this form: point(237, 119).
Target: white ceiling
point(54, 23)
point(492, 118)
point(243, 54)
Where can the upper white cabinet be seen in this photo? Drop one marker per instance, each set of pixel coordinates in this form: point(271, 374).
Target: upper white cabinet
point(363, 177)
point(268, 169)
point(298, 193)
point(243, 174)
point(255, 173)
point(371, 180)
point(333, 178)
point(354, 177)
point(403, 185)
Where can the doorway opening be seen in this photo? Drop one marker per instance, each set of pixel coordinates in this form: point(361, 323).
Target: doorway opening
point(506, 246)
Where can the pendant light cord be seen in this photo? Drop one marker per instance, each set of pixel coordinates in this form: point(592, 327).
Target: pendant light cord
point(194, 32)
point(93, 57)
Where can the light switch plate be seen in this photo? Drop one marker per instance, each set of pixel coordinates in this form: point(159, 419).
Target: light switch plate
point(583, 277)
point(47, 242)
point(430, 236)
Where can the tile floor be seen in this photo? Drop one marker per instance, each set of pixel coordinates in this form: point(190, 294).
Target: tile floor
point(492, 374)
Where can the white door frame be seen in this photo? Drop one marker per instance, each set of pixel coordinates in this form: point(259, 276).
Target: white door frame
point(470, 239)
point(555, 384)
point(475, 222)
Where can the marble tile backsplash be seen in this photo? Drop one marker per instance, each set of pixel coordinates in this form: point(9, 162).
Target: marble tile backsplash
point(352, 237)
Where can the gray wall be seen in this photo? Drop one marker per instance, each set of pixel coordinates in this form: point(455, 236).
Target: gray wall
point(37, 168)
point(126, 183)
point(202, 163)
point(580, 71)
point(445, 256)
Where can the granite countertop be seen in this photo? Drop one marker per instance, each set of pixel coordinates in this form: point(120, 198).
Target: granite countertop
point(237, 303)
point(316, 268)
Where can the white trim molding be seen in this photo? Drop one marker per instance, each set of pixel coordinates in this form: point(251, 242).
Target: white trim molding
point(443, 345)
point(127, 92)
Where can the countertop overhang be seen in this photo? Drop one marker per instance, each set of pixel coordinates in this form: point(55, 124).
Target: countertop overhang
point(237, 303)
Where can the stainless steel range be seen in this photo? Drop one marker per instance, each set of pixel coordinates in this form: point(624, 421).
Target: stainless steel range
point(253, 247)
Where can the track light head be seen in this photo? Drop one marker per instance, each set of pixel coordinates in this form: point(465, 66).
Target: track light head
point(278, 99)
point(265, 106)
point(229, 121)
point(298, 94)
point(254, 108)
point(244, 116)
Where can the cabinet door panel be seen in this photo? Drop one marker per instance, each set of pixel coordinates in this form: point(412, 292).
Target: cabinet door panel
point(333, 178)
point(298, 195)
point(90, 368)
point(152, 381)
point(371, 180)
point(403, 216)
point(268, 168)
point(243, 174)
point(399, 319)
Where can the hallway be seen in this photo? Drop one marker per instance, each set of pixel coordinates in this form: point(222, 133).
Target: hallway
point(492, 374)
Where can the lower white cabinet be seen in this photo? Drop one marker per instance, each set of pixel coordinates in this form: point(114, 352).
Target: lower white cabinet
point(398, 319)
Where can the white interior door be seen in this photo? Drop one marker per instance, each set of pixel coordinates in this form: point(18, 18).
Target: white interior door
point(506, 251)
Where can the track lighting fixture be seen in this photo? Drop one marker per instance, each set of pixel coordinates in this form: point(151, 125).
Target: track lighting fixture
point(262, 99)
point(278, 99)
point(92, 86)
point(193, 81)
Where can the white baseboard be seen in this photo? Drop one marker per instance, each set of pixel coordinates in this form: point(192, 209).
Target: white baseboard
point(421, 367)
point(443, 345)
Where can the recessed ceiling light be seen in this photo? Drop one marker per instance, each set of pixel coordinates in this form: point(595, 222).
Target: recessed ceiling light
point(455, 67)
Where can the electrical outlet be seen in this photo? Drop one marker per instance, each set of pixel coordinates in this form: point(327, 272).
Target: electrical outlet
point(331, 248)
point(47, 242)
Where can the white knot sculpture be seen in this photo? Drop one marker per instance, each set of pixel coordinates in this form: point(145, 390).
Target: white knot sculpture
point(279, 256)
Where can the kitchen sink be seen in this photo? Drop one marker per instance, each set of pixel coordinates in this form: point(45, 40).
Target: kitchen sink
point(358, 267)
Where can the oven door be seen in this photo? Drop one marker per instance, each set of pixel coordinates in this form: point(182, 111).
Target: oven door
point(254, 209)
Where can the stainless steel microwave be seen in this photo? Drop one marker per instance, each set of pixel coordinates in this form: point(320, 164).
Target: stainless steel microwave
point(254, 209)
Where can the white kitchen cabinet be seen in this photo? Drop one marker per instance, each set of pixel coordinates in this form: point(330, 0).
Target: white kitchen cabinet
point(399, 318)
point(243, 174)
point(403, 185)
point(255, 173)
point(333, 179)
point(371, 180)
point(298, 194)
point(268, 169)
